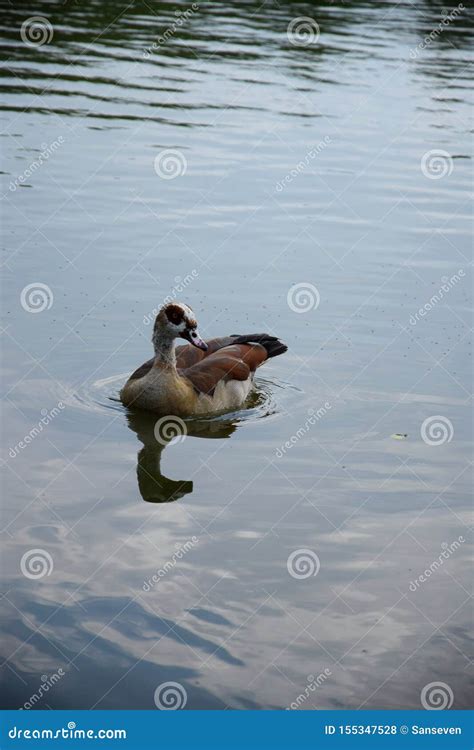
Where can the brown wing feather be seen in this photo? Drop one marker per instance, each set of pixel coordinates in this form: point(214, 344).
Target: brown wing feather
point(234, 362)
point(188, 355)
point(141, 371)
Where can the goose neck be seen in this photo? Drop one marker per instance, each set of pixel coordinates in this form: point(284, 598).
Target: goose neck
point(164, 352)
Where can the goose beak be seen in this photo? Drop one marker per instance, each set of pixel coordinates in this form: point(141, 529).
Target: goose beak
point(194, 338)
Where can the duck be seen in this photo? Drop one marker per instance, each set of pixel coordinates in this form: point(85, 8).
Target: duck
point(200, 377)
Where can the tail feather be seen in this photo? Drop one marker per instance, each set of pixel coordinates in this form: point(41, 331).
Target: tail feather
point(272, 344)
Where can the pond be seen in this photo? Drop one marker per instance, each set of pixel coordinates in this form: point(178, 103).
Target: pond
point(309, 178)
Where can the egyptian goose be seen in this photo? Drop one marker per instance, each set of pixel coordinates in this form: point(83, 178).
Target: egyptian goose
point(207, 377)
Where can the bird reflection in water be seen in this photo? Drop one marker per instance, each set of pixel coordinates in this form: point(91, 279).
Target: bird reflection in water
point(153, 485)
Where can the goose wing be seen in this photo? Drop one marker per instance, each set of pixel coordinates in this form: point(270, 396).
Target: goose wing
point(232, 362)
point(188, 356)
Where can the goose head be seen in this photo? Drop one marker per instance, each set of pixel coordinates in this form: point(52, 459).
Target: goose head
point(177, 320)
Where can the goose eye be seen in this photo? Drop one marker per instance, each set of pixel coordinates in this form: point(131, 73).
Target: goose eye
point(174, 314)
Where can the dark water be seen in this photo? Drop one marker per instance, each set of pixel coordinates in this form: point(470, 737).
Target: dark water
point(306, 165)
